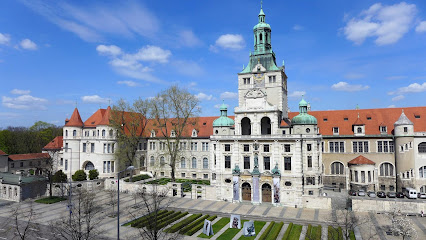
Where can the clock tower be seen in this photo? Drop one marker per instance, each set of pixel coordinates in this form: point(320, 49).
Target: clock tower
point(262, 87)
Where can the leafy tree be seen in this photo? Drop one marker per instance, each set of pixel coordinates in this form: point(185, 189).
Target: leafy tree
point(79, 175)
point(59, 177)
point(93, 174)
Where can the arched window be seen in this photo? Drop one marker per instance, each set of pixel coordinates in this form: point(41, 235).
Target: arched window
point(337, 168)
point(386, 169)
point(265, 126)
point(74, 133)
point(205, 163)
point(245, 126)
point(89, 166)
point(266, 37)
point(422, 172)
point(359, 130)
point(66, 133)
point(162, 161)
point(152, 161)
point(110, 133)
point(422, 147)
point(103, 133)
point(194, 162)
point(260, 37)
point(182, 163)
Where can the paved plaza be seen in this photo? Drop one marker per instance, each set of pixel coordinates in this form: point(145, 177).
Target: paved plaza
point(48, 214)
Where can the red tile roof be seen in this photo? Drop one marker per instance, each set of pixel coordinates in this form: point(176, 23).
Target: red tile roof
point(29, 156)
point(95, 119)
point(2, 153)
point(56, 143)
point(360, 160)
point(75, 120)
point(106, 117)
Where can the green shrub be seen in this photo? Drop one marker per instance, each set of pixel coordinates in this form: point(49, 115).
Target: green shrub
point(50, 200)
point(172, 219)
point(273, 234)
point(59, 177)
point(31, 171)
point(267, 230)
point(93, 174)
point(193, 224)
point(180, 225)
point(295, 232)
point(144, 218)
point(79, 175)
point(316, 232)
point(161, 219)
point(335, 234)
point(287, 232)
point(352, 235)
point(199, 226)
point(308, 232)
point(138, 178)
point(154, 220)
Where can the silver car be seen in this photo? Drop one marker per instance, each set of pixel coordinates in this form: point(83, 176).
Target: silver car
point(361, 193)
point(371, 194)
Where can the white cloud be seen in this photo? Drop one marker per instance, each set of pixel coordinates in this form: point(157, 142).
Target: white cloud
point(354, 76)
point(4, 38)
point(346, 87)
point(412, 88)
point(128, 83)
point(228, 95)
point(421, 27)
point(219, 105)
point(387, 24)
point(202, 96)
point(229, 41)
point(397, 98)
point(392, 106)
point(297, 27)
point(151, 54)
point(395, 77)
point(90, 21)
point(108, 50)
point(24, 102)
point(20, 92)
point(297, 94)
point(28, 44)
point(188, 39)
point(94, 99)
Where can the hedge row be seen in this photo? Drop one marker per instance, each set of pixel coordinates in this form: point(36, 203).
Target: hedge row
point(170, 220)
point(316, 232)
point(267, 230)
point(149, 221)
point(287, 232)
point(160, 221)
point(275, 231)
point(334, 234)
point(193, 224)
point(199, 226)
point(138, 178)
point(295, 232)
point(308, 232)
point(180, 225)
point(141, 219)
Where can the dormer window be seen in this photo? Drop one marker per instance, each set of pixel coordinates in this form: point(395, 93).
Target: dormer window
point(194, 133)
point(335, 130)
point(359, 130)
point(383, 129)
point(417, 116)
point(152, 133)
point(173, 133)
point(405, 129)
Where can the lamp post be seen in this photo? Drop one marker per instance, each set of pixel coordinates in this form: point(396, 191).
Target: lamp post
point(118, 199)
point(70, 179)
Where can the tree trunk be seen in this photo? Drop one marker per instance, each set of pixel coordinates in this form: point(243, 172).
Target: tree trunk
point(50, 184)
point(173, 172)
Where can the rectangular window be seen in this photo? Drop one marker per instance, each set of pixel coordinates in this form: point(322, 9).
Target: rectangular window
point(246, 80)
point(309, 161)
point(66, 147)
point(266, 148)
point(227, 147)
point(84, 147)
point(12, 165)
point(335, 130)
point(205, 176)
point(309, 147)
point(272, 79)
point(246, 162)
point(105, 147)
point(356, 176)
point(21, 164)
point(342, 147)
point(109, 148)
point(385, 146)
point(66, 164)
point(337, 147)
point(194, 175)
point(267, 163)
point(62, 162)
point(310, 180)
point(182, 175)
point(193, 146)
point(246, 147)
point(391, 148)
point(112, 147)
point(92, 147)
point(112, 166)
point(379, 146)
point(286, 147)
point(366, 147)
point(322, 146)
point(405, 129)
point(205, 146)
point(369, 176)
point(383, 187)
point(227, 161)
point(287, 163)
point(360, 146)
point(331, 144)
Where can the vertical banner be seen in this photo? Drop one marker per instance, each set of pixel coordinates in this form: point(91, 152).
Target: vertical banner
point(276, 182)
point(235, 221)
point(248, 229)
point(236, 188)
point(207, 228)
point(256, 189)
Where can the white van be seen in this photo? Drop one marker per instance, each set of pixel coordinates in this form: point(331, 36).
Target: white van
point(410, 193)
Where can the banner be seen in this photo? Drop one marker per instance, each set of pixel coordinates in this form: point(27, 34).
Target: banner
point(207, 228)
point(235, 221)
point(276, 182)
point(256, 189)
point(249, 229)
point(236, 188)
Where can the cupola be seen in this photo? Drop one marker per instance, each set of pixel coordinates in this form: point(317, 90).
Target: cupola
point(223, 120)
point(303, 118)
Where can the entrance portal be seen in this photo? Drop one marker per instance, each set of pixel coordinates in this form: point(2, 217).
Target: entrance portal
point(246, 191)
point(266, 193)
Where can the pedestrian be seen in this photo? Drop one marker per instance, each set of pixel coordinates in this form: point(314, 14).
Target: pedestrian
point(421, 213)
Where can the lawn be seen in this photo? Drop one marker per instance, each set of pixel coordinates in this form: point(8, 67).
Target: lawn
point(138, 178)
point(164, 181)
point(295, 232)
point(258, 225)
point(216, 227)
point(313, 233)
point(231, 232)
point(50, 200)
point(334, 233)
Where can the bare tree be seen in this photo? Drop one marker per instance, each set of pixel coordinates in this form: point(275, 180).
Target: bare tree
point(402, 225)
point(50, 167)
point(130, 122)
point(84, 221)
point(174, 111)
point(23, 221)
point(112, 200)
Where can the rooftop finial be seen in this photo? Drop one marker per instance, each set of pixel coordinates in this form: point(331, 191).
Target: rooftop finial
point(261, 3)
point(358, 115)
point(357, 107)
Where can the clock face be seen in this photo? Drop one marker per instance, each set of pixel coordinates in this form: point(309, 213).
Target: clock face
point(259, 77)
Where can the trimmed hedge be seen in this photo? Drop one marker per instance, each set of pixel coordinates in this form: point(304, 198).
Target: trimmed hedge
point(287, 232)
point(150, 219)
point(199, 226)
point(267, 230)
point(216, 227)
point(162, 219)
point(316, 232)
point(334, 234)
point(273, 234)
point(143, 218)
point(138, 178)
point(295, 232)
point(308, 232)
point(193, 224)
point(170, 220)
point(180, 225)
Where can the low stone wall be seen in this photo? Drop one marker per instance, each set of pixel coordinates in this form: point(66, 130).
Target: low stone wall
point(316, 202)
point(381, 205)
point(61, 189)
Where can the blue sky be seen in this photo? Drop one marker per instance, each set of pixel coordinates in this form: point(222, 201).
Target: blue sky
point(56, 54)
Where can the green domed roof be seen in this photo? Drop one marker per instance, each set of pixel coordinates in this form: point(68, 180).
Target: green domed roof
point(223, 107)
point(261, 25)
point(223, 120)
point(303, 118)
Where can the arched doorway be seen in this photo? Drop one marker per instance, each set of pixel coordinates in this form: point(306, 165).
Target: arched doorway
point(266, 193)
point(245, 126)
point(246, 191)
point(265, 126)
point(89, 166)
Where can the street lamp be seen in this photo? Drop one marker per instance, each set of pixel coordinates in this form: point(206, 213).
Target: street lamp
point(118, 199)
point(70, 179)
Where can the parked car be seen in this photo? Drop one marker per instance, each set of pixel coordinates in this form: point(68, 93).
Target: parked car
point(400, 195)
point(391, 194)
point(421, 195)
point(361, 193)
point(371, 194)
point(381, 194)
point(352, 192)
